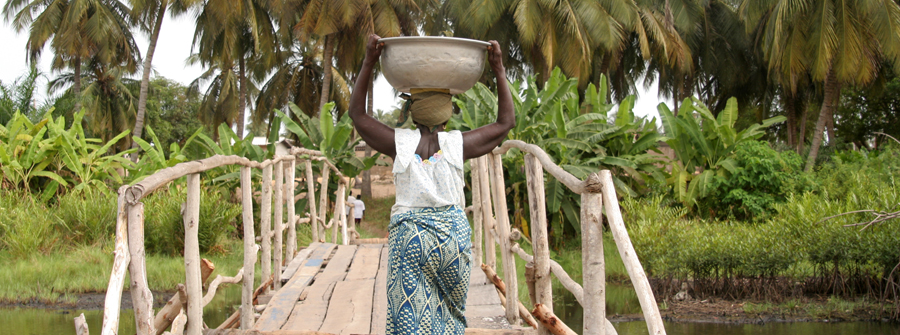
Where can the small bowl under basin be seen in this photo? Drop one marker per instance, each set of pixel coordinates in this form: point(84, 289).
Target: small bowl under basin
point(433, 62)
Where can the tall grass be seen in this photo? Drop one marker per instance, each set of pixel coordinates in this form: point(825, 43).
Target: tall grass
point(27, 226)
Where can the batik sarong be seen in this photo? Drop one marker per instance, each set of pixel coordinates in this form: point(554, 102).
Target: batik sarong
point(429, 266)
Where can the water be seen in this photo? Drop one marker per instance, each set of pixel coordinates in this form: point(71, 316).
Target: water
point(620, 300)
point(30, 321)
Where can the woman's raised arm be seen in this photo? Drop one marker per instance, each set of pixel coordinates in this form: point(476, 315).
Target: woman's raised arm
point(482, 140)
point(376, 134)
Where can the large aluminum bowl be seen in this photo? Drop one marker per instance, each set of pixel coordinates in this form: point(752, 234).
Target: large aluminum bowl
point(433, 62)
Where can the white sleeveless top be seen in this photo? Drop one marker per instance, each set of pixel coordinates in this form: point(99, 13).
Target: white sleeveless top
point(433, 182)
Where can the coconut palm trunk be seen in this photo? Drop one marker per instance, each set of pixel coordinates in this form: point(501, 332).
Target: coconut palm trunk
point(76, 82)
point(326, 67)
point(242, 100)
point(145, 80)
point(832, 91)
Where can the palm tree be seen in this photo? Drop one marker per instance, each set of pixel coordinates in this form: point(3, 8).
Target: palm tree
point(836, 43)
point(230, 32)
point(109, 105)
point(151, 12)
point(78, 30)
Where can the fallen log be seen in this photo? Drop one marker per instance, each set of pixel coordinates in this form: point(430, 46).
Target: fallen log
point(175, 304)
point(501, 288)
point(550, 321)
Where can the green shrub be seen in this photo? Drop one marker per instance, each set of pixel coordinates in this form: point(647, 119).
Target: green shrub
point(762, 178)
point(164, 223)
point(89, 214)
point(27, 226)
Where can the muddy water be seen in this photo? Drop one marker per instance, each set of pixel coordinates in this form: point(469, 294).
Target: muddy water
point(620, 300)
point(29, 321)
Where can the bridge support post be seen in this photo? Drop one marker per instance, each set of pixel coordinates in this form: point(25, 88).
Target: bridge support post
point(265, 224)
point(311, 201)
point(249, 250)
point(543, 294)
point(323, 199)
point(594, 269)
point(629, 257)
point(291, 167)
point(487, 212)
point(279, 223)
point(192, 256)
point(141, 297)
point(477, 249)
point(509, 260)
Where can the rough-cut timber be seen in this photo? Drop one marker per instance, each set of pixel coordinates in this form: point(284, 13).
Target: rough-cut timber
point(281, 305)
point(311, 195)
point(141, 297)
point(543, 290)
point(117, 277)
point(291, 209)
point(509, 260)
point(192, 274)
point(487, 213)
point(310, 312)
point(593, 264)
point(265, 222)
point(279, 223)
point(564, 177)
point(249, 250)
point(629, 257)
point(477, 253)
point(550, 321)
point(81, 326)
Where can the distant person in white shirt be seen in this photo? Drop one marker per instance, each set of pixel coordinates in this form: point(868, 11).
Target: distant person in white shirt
point(359, 209)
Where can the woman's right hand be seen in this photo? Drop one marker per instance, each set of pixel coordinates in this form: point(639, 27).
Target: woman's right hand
point(374, 48)
point(495, 55)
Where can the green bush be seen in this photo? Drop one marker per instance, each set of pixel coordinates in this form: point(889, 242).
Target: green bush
point(762, 178)
point(164, 223)
point(27, 226)
point(90, 215)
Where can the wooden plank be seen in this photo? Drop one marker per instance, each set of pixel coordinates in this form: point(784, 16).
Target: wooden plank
point(350, 310)
point(365, 264)
point(297, 261)
point(379, 301)
point(470, 331)
point(279, 308)
point(310, 313)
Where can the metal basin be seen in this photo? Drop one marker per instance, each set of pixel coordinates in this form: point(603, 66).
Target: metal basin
point(433, 62)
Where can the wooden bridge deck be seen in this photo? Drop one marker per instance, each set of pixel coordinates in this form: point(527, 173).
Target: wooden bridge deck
point(342, 289)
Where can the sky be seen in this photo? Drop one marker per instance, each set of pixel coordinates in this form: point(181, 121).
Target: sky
point(173, 49)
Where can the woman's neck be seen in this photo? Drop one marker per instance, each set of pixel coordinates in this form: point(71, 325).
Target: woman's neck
point(428, 143)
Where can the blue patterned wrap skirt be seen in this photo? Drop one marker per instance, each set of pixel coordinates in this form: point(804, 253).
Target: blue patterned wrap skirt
point(429, 260)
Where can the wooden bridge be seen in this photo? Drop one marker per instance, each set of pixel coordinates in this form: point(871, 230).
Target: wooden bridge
point(340, 287)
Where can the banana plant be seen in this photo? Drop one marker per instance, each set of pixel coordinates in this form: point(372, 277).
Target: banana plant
point(704, 145)
point(89, 162)
point(331, 138)
point(579, 135)
point(25, 153)
point(154, 156)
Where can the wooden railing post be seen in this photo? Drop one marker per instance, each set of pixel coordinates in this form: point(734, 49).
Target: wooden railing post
point(291, 167)
point(509, 260)
point(192, 256)
point(629, 257)
point(592, 261)
point(311, 201)
point(323, 198)
point(141, 297)
point(543, 294)
point(279, 223)
point(340, 211)
point(249, 250)
point(487, 212)
point(117, 276)
point(477, 253)
point(265, 224)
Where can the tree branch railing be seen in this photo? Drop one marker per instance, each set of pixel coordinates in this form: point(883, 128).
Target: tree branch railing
point(597, 193)
point(129, 243)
